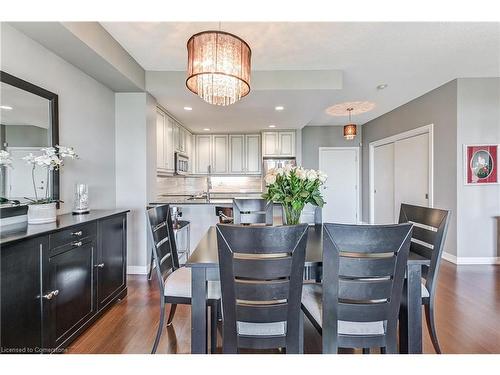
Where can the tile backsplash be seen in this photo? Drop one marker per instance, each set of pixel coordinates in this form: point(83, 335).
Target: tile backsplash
point(179, 185)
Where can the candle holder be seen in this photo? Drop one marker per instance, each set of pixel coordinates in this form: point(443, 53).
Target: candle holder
point(81, 199)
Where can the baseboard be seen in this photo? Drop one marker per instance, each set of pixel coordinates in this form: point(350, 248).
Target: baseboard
point(137, 270)
point(470, 260)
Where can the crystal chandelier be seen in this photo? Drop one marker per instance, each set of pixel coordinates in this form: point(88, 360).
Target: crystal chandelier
point(350, 128)
point(218, 67)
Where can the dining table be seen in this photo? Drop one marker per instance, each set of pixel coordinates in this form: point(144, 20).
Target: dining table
point(204, 264)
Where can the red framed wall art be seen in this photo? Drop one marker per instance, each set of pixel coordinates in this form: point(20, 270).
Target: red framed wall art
point(481, 164)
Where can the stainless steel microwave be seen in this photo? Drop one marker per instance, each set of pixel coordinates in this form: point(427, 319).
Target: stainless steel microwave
point(181, 163)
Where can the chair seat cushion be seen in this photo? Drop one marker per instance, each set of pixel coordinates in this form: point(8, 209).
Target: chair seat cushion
point(261, 329)
point(312, 296)
point(178, 284)
point(425, 292)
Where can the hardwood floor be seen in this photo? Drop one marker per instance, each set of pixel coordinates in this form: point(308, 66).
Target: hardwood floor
point(467, 308)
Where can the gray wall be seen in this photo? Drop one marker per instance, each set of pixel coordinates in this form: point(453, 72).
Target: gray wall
point(314, 137)
point(86, 115)
point(438, 107)
point(25, 136)
point(478, 123)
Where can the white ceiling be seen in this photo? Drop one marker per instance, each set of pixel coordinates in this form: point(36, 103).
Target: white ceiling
point(412, 58)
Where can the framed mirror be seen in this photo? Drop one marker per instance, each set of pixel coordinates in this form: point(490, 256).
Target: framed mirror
point(28, 123)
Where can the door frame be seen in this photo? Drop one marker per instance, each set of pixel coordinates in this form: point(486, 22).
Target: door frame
point(358, 175)
point(426, 129)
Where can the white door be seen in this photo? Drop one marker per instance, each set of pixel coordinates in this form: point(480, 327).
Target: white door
point(220, 154)
point(341, 189)
point(252, 153)
point(19, 178)
point(237, 153)
point(203, 153)
point(383, 178)
point(411, 172)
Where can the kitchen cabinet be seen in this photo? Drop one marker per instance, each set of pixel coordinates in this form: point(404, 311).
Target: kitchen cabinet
point(281, 143)
point(203, 145)
point(190, 150)
point(220, 154)
point(164, 142)
point(56, 282)
point(245, 156)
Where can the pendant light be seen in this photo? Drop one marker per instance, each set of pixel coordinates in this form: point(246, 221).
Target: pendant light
point(218, 67)
point(350, 129)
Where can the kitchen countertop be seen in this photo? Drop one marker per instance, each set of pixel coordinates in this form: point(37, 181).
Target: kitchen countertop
point(20, 231)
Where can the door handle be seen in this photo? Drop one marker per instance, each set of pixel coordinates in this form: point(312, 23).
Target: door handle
point(78, 233)
point(100, 265)
point(50, 295)
point(77, 243)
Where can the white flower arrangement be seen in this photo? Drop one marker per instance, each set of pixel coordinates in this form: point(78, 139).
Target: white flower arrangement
point(52, 160)
point(293, 187)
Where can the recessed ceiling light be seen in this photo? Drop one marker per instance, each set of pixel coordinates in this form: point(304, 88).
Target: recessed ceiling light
point(207, 129)
point(188, 108)
point(6, 107)
point(272, 126)
point(382, 86)
point(279, 108)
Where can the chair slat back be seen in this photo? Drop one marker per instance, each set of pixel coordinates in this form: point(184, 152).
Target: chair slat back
point(252, 211)
point(261, 270)
point(162, 239)
point(429, 234)
point(363, 273)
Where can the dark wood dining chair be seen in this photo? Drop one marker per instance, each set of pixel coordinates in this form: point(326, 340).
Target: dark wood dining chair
point(175, 281)
point(429, 234)
point(252, 211)
point(261, 271)
point(359, 298)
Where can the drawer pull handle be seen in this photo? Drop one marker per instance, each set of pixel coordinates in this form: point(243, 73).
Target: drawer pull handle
point(78, 233)
point(77, 244)
point(52, 294)
point(100, 265)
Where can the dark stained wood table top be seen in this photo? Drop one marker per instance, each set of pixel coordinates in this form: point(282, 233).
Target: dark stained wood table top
point(205, 253)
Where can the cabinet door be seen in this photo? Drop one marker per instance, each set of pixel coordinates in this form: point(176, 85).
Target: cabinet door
point(169, 144)
point(287, 143)
point(203, 153)
point(189, 150)
point(182, 140)
point(20, 291)
point(160, 141)
point(70, 292)
point(252, 154)
point(111, 255)
point(176, 136)
point(220, 155)
point(270, 144)
point(237, 154)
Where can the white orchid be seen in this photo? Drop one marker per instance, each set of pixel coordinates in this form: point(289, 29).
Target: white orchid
point(5, 158)
point(67, 152)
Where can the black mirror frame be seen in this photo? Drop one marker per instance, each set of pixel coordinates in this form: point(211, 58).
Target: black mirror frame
point(54, 127)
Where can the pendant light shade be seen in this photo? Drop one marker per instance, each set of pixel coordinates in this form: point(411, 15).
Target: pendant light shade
point(350, 130)
point(218, 67)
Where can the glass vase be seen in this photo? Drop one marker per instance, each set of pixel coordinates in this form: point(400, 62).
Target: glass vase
point(291, 216)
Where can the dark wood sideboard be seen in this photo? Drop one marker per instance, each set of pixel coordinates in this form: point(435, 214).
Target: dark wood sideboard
point(57, 279)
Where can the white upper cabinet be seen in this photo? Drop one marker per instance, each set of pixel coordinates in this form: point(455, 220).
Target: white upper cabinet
point(270, 146)
point(169, 143)
point(190, 150)
point(253, 158)
point(237, 154)
point(203, 150)
point(160, 142)
point(220, 154)
point(281, 143)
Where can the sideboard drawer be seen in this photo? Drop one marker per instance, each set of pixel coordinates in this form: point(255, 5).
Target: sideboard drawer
point(74, 234)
